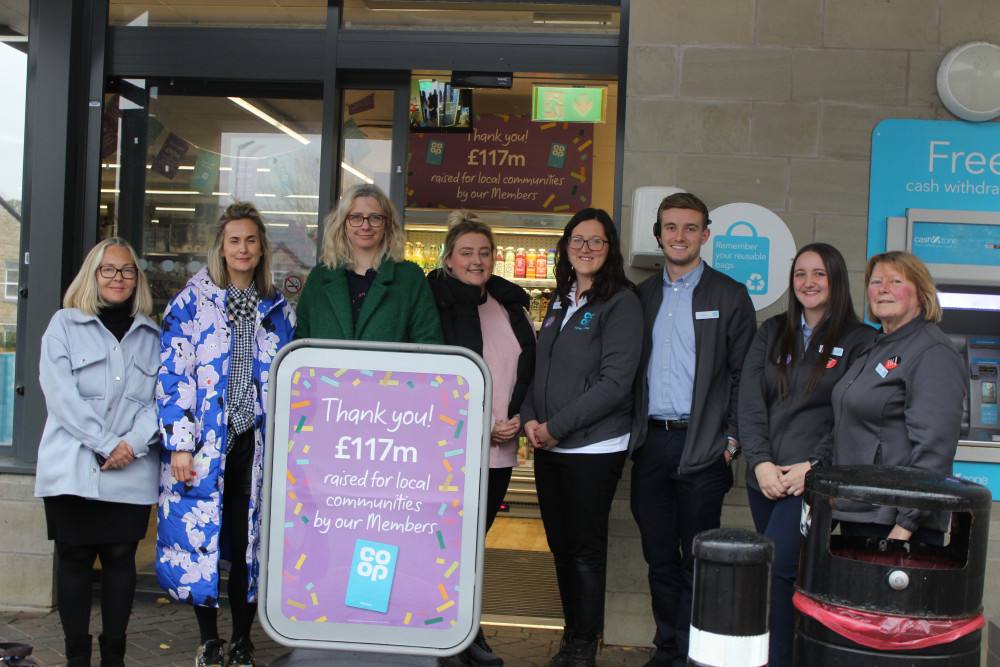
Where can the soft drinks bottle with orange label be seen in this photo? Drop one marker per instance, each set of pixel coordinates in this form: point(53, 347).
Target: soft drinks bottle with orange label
point(529, 263)
point(541, 264)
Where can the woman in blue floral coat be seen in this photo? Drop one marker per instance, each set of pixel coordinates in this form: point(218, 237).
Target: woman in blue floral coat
point(219, 336)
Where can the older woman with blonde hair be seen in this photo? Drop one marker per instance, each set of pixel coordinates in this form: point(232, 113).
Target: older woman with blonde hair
point(98, 456)
point(901, 403)
point(363, 289)
point(220, 335)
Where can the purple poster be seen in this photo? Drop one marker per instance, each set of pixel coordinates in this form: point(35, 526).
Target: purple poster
point(506, 163)
point(375, 484)
point(174, 150)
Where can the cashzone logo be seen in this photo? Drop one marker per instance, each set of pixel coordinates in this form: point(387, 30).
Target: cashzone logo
point(936, 240)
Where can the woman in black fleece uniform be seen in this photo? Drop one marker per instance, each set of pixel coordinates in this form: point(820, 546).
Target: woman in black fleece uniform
point(578, 417)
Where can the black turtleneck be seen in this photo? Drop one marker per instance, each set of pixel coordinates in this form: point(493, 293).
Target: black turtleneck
point(117, 318)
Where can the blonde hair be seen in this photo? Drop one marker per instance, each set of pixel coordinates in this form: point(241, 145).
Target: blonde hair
point(461, 223)
point(337, 249)
point(914, 270)
point(217, 270)
point(84, 293)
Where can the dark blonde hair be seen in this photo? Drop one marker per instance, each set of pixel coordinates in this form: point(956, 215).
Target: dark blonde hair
point(461, 223)
point(914, 270)
point(217, 270)
point(337, 249)
point(84, 294)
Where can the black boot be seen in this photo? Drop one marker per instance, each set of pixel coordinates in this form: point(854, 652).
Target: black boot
point(565, 655)
point(112, 651)
point(78, 651)
point(479, 653)
point(584, 653)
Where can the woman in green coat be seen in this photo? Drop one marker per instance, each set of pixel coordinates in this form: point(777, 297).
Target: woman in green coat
point(363, 289)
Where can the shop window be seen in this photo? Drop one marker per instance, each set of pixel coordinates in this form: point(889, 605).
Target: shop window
point(11, 273)
point(203, 153)
point(234, 13)
point(13, 62)
point(597, 17)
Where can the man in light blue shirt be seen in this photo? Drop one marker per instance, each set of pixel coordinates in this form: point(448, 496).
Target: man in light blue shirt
point(698, 327)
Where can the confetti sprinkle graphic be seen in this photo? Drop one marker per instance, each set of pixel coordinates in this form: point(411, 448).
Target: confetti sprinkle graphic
point(375, 477)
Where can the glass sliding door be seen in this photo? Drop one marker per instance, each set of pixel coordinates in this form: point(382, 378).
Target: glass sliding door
point(172, 163)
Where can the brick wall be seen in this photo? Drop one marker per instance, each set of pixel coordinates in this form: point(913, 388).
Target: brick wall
point(773, 102)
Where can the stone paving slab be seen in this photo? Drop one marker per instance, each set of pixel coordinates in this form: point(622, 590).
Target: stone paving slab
point(167, 634)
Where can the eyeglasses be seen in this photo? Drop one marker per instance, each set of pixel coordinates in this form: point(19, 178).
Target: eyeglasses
point(375, 219)
point(128, 272)
point(595, 244)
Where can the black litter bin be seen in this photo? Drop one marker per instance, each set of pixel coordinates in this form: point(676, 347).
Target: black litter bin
point(866, 602)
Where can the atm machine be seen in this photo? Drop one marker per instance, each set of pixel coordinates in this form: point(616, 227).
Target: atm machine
point(962, 251)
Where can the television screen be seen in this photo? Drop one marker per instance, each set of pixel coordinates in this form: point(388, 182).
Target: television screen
point(435, 106)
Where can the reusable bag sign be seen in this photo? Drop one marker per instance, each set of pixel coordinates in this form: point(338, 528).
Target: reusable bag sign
point(743, 258)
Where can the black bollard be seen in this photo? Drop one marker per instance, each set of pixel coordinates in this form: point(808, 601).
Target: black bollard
point(732, 584)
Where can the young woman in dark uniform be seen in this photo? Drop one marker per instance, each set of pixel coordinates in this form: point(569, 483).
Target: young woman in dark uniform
point(784, 411)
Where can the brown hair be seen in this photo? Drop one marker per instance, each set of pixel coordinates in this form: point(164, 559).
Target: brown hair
point(461, 223)
point(217, 270)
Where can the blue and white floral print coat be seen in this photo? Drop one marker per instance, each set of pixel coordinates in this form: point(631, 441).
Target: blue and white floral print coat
point(191, 394)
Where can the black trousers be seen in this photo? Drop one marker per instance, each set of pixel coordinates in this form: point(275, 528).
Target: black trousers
point(574, 495)
point(670, 509)
point(499, 480)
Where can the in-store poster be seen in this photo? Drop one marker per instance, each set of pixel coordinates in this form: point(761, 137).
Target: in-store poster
point(507, 163)
point(931, 164)
point(375, 487)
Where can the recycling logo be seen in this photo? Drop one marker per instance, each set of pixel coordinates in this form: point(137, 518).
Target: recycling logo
point(756, 284)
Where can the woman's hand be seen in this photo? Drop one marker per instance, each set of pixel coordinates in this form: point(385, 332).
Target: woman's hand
point(529, 433)
point(504, 431)
point(900, 533)
point(794, 477)
point(182, 466)
point(119, 457)
point(769, 480)
point(542, 437)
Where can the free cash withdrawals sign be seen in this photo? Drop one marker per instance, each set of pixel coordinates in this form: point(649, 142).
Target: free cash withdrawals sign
point(376, 471)
point(507, 163)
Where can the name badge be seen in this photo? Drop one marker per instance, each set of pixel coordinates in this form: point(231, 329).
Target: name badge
point(706, 315)
point(838, 351)
point(881, 370)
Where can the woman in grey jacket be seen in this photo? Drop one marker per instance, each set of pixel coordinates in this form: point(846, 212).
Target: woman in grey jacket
point(900, 404)
point(784, 411)
point(578, 414)
point(98, 458)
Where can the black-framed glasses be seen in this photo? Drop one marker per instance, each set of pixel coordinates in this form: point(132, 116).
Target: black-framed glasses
point(375, 219)
point(128, 272)
point(595, 244)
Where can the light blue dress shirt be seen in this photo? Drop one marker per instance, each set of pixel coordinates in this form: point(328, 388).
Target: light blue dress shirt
point(672, 361)
point(807, 333)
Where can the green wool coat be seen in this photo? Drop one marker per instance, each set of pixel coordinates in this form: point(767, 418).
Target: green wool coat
point(399, 307)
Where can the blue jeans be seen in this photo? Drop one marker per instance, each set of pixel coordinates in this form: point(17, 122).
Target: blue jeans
point(779, 520)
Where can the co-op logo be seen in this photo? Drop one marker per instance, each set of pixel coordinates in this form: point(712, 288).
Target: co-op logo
point(373, 563)
point(935, 240)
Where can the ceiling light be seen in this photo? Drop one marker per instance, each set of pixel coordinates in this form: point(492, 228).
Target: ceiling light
point(560, 18)
point(366, 179)
point(239, 101)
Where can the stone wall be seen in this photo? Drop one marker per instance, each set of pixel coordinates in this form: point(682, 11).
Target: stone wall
point(26, 560)
point(773, 102)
